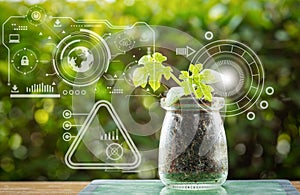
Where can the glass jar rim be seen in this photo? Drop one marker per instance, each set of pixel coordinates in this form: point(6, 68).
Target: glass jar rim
point(191, 103)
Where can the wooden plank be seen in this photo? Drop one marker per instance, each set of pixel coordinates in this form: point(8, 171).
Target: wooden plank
point(296, 184)
point(41, 187)
point(12, 188)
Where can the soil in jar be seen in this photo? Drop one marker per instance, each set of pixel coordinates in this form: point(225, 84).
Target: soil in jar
point(192, 165)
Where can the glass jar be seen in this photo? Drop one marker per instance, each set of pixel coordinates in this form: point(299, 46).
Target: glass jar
point(193, 149)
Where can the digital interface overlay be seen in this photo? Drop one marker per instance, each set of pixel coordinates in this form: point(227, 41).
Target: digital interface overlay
point(77, 59)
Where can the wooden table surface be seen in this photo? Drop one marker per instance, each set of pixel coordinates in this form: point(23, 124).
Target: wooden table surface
point(296, 184)
point(54, 187)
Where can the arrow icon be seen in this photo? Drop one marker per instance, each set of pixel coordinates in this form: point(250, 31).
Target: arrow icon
point(185, 51)
point(14, 89)
point(189, 51)
point(57, 23)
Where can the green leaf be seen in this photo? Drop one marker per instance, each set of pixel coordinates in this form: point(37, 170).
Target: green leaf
point(167, 73)
point(145, 59)
point(195, 81)
point(152, 71)
point(207, 91)
point(139, 77)
point(198, 93)
point(154, 78)
point(208, 77)
point(198, 67)
point(195, 69)
point(154, 84)
point(184, 75)
point(208, 96)
point(192, 69)
point(158, 57)
point(187, 87)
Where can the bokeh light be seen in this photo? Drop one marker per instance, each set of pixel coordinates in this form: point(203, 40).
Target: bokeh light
point(41, 116)
point(265, 146)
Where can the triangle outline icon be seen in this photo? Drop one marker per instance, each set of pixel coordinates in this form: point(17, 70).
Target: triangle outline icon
point(84, 128)
point(189, 51)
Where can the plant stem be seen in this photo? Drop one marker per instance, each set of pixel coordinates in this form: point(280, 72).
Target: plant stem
point(175, 79)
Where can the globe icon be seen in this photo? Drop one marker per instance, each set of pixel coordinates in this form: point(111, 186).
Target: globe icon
point(80, 59)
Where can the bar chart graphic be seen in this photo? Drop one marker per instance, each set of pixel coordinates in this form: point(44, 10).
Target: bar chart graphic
point(112, 136)
point(40, 88)
point(37, 90)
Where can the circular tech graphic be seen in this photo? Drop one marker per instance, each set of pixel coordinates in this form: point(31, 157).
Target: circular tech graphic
point(128, 72)
point(36, 15)
point(81, 58)
point(124, 41)
point(67, 136)
point(114, 151)
point(24, 61)
point(241, 72)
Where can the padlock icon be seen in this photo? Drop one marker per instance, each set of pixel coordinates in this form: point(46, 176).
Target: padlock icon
point(24, 61)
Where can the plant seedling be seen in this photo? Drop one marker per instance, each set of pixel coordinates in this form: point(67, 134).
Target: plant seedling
point(195, 81)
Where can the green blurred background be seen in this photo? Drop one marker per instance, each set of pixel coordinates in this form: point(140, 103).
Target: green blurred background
point(31, 145)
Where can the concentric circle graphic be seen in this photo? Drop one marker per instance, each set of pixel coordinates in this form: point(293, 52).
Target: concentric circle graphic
point(67, 114)
point(36, 15)
point(25, 61)
point(67, 136)
point(81, 58)
point(67, 125)
point(114, 151)
point(241, 73)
